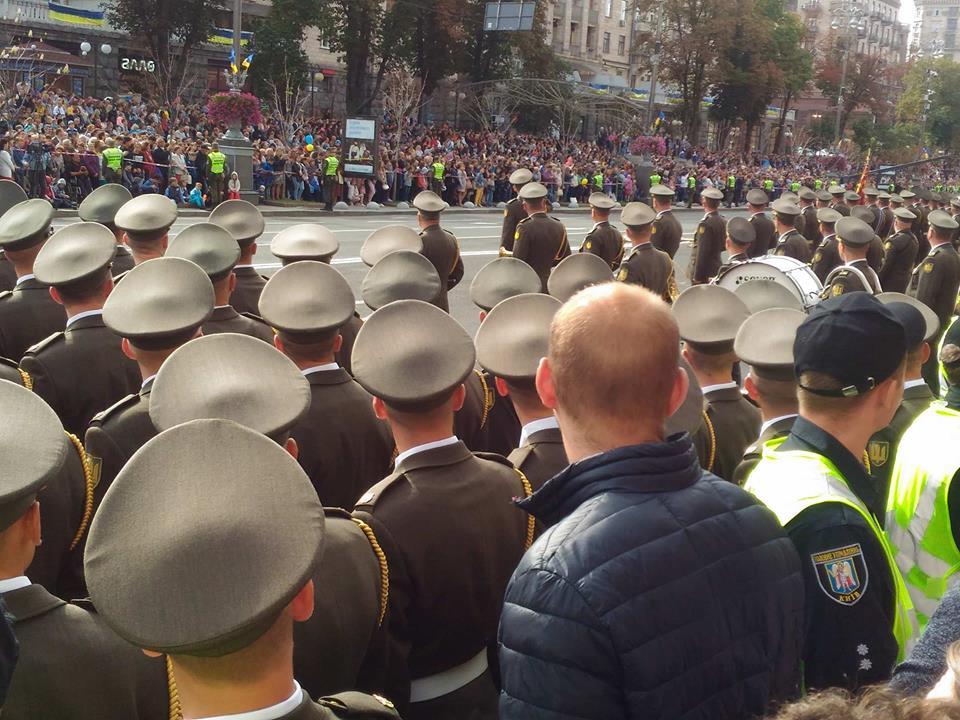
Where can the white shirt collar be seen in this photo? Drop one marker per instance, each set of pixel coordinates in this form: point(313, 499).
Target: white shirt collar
point(721, 386)
point(452, 440)
point(221, 307)
point(907, 384)
point(82, 315)
point(24, 278)
point(268, 713)
point(147, 380)
point(768, 423)
point(660, 214)
point(536, 426)
point(320, 368)
point(243, 266)
point(784, 235)
point(14, 583)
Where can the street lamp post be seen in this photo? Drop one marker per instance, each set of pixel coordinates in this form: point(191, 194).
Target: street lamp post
point(85, 49)
point(935, 48)
point(457, 96)
point(654, 70)
point(848, 18)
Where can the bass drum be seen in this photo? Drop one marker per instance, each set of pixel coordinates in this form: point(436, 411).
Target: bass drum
point(795, 276)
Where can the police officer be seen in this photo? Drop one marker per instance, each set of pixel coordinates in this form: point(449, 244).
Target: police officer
point(646, 265)
point(855, 274)
point(27, 313)
point(217, 173)
point(146, 221)
point(81, 370)
point(666, 232)
point(765, 343)
point(923, 499)
point(708, 318)
point(766, 233)
point(111, 160)
point(436, 179)
point(261, 541)
point(510, 343)
point(575, 273)
point(462, 509)
point(10, 194)
point(71, 665)
point(439, 246)
point(603, 240)
point(789, 241)
point(741, 234)
point(101, 206)
point(838, 193)
point(541, 240)
point(330, 169)
point(245, 223)
point(848, 357)
point(827, 255)
point(514, 211)
point(936, 279)
point(216, 252)
point(921, 330)
point(900, 253)
point(811, 226)
point(160, 305)
point(708, 241)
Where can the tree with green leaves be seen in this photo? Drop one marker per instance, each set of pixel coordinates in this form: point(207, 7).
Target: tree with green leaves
point(932, 89)
point(864, 84)
point(796, 68)
point(171, 31)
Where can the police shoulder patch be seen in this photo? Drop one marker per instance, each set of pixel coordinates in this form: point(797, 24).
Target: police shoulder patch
point(842, 573)
point(888, 246)
point(836, 290)
point(928, 267)
point(653, 230)
point(818, 257)
point(879, 452)
point(622, 275)
point(588, 244)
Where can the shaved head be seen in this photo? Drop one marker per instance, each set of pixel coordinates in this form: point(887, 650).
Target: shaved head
point(612, 368)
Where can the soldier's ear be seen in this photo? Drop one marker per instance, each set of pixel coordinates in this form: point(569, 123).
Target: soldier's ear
point(127, 349)
point(545, 385)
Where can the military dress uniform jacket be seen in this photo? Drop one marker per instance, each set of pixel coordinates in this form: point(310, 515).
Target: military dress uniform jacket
point(736, 424)
point(349, 334)
point(811, 227)
point(731, 261)
point(246, 295)
point(841, 208)
point(73, 667)
point(452, 537)
point(81, 371)
point(487, 422)
point(875, 253)
point(708, 244)
point(650, 268)
point(513, 213)
point(826, 258)
point(440, 247)
point(226, 319)
point(541, 457)
point(8, 276)
point(541, 242)
point(779, 428)
point(847, 279)
point(605, 241)
point(920, 227)
point(766, 232)
point(900, 255)
point(28, 315)
point(344, 448)
point(935, 282)
point(886, 223)
point(343, 706)
point(122, 261)
point(666, 233)
point(793, 244)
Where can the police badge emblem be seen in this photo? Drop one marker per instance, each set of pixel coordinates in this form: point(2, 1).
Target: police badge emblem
point(879, 452)
point(842, 573)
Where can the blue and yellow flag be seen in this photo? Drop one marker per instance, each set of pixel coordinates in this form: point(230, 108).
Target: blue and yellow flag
point(224, 36)
point(233, 62)
point(74, 16)
point(246, 61)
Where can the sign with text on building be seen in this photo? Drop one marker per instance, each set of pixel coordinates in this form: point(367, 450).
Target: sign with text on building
point(359, 149)
point(132, 64)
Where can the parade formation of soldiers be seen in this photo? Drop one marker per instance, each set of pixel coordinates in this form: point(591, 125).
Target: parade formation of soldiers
point(616, 500)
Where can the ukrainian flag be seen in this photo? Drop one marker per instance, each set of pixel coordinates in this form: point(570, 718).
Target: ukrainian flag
point(74, 16)
point(224, 36)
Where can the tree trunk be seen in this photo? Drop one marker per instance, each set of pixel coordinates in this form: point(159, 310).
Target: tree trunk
point(748, 135)
point(782, 121)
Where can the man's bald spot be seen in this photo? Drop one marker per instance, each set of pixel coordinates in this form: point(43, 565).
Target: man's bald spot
point(614, 351)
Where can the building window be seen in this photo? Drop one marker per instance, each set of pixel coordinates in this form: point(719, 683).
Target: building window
point(608, 7)
point(606, 42)
point(951, 23)
point(623, 11)
point(622, 45)
point(950, 40)
point(953, 12)
point(324, 41)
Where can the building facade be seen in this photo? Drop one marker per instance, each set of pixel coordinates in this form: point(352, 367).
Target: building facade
point(935, 26)
point(594, 38)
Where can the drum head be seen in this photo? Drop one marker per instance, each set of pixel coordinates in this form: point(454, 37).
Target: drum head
point(792, 275)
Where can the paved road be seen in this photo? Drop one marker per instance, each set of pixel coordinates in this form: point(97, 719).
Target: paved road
point(479, 237)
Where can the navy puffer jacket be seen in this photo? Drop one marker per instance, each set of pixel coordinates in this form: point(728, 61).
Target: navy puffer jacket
point(659, 591)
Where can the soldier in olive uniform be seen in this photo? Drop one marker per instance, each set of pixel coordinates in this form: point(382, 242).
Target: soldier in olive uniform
point(71, 664)
point(514, 212)
point(667, 231)
point(510, 343)
point(741, 234)
point(798, 221)
point(343, 447)
point(765, 343)
point(160, 305)
point(955, 214)
point(766, 233)
point(871, 193)
point(921, 331)
point(886, 216)
point(146, 221)
point(541, 240)
point(244, 222)
point(936, 280)
point(708, 241)
point(811, 226)
point(439, 246)
point(10, 194)
point(854, 236)
point(27, 313)
point(900, 253)
point(441, 504)
point(82, 370)
point(213, 248)
point(875, 249)
point(708, 318)
point(603, 240)
point(241, 585)
point(645, 265)
point(827, 255)
point(838, 193)
point(920, 225)
point(824, 199)
point(790, 242)
point(575, 273)
point(101, 206)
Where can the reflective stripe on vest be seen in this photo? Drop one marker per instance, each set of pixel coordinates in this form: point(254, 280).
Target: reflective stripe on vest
point(113, 157)
point(438, 169)
point(817, 184)
point(217, 161)
point(918, 516)
point(332, 165)
point(768, 185)
point(789, 482)
point(731, 181)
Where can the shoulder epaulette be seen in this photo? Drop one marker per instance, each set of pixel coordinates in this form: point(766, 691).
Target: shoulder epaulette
point(519, 456)
point(254, 316)
point(128, 401)
point(521, 221)
point(357, 705)
point(45, 343)
point(371, 496)
point(494, 457)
